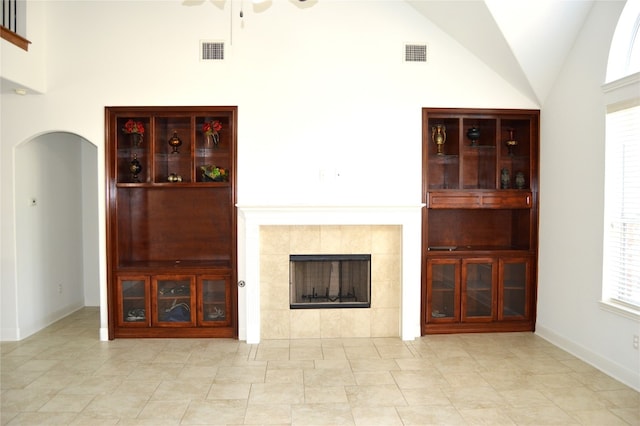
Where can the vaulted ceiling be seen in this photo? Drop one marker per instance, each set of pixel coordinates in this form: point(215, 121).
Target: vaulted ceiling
point(524, 41)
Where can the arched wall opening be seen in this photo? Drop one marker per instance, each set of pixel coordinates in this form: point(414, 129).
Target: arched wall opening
point(56, 211)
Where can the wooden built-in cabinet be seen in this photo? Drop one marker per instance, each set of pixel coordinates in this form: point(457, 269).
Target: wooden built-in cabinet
point(480, 224)
point(171, 227)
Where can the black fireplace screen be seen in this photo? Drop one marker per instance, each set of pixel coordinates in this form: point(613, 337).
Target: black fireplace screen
point(330, 281)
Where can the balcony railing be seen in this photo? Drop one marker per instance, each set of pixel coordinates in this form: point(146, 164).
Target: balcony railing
point(12, 17)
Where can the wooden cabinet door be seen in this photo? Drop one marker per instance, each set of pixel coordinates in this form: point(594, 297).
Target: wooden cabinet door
point(214, 300)
point(173, 300)
point(479, 289)
point(133, 301)
point(514, 288)
point(443, 291)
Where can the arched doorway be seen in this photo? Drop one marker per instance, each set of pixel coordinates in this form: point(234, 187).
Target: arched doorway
point(56, 210)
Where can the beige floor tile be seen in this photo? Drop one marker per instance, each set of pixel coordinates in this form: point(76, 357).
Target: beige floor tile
point(375, 395)
point(66, 403)
point(17, 400)
point(523, 398)
point(268, 414)
point(371, 416)
point(328, 377)
point(630, 415)
point(240, 375)
point(272, 354)
point(426, 396)
point(415, 379)
point(475, 397)
point(305, 353)
point(200, 372)
point(333, 352)
point(598, 418)
point(164, 410)
point(170, 390)
point(321, 414)
point(430, 415)
point(373, 364)
point(538, 416)
point(229, 391)
point(30, 418)
point(458, 380)
point(276, 393)
point(218, 412)
point(486, 416)
point(576, 398)
point(325, 395)
point(361, 352)
point(124, 406)
point(364, 378)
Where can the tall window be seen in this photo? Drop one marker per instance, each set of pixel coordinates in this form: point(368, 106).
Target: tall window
point(622, 207)
point(621, 262)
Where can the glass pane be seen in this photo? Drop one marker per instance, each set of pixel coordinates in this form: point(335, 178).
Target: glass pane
point(173, 142)
point(174, 300)
point(479, 289)
point(214, 300)
point(515, 162)
point(443, 290)
point(514, 289)
point(133, 149)
point(443, 151)
point(133, 301)
point(479, 154)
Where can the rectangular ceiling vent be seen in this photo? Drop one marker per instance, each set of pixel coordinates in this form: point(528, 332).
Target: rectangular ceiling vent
point(415, 53)
point(211, 50)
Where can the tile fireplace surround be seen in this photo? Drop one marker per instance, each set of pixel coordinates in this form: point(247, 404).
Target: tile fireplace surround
point(267, 235)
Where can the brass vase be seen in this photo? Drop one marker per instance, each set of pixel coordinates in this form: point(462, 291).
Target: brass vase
point(439, 135)
point(175, 142)
point(511, 143)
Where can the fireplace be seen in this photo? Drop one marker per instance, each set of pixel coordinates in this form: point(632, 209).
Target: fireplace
point(329, 281)
point(268, 235)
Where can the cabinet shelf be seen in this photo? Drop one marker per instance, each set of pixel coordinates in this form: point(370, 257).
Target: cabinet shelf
point(175, 185)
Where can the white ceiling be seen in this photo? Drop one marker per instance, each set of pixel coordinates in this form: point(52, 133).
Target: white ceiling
point(524, 41)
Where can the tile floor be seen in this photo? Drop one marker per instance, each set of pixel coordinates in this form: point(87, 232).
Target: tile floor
point(65, 376)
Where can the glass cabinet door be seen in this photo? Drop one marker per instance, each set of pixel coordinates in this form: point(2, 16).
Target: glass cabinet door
point(514, 288)
point(479, 277)
point(214, 300)
point(133, 301)
point(443, 298)
point(173, 298)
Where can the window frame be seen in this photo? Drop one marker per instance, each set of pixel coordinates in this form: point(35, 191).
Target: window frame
point(620, 94)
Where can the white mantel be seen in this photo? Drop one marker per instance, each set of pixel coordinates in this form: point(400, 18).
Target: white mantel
point(251, 218)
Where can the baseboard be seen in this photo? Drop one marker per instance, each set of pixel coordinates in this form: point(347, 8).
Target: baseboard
point(9, 334)
point(45, 322)
point(608, 367)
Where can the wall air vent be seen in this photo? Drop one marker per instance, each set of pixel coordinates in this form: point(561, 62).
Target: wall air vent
point(211, 50)
point(415, 53)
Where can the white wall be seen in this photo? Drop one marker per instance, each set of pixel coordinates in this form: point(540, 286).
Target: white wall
point(90, 225)
point(571, 215)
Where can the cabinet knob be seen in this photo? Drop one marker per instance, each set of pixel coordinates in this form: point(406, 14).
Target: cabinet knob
point(241, 283)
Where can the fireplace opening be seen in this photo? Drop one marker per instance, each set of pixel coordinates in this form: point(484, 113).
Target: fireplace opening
point(330, 281)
